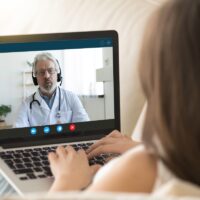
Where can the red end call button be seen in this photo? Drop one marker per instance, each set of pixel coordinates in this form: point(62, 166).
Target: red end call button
point(72, 127)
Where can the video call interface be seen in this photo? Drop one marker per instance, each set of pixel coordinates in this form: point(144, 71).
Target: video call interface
point(56, 83)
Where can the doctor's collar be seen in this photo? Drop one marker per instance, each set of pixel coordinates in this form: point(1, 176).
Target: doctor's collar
point(45, 96)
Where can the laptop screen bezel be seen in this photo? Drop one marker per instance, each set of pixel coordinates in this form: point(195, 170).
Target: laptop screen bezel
point(19, 137)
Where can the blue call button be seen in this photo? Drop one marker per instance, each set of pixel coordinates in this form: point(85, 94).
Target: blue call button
point(46, 129)
point(59, 128)
point(33, 131)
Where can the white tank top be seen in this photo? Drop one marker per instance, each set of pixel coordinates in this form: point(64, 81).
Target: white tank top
point(163, 176)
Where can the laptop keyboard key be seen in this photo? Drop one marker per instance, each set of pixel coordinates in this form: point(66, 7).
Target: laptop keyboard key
point(37, 169)
point(35, 159)
point(99, 162)
point(17, 161)
point(23, 178)
point(37, 164)
point(26, 160)
point(19, 166)
point(28, 165)
point(11, 166)
point(47, 169)
point(43, 158)
point(23, 171)
point(5, 157)
point(42, 176)
point(10, 152)
point(26, 155)
point(31, 176)
point(34, 153)
point(43, 153)
point(37, 149)
point(17, 155)
point(8, 161)
point(45, 163)
point(91, 162)
point(28, 150)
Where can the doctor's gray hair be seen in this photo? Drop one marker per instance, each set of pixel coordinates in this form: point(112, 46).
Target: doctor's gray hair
point(45, 56)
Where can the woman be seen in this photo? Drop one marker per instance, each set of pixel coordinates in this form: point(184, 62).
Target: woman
point(169, 70)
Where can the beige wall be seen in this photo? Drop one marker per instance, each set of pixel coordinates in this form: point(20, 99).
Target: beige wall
point(126, 16)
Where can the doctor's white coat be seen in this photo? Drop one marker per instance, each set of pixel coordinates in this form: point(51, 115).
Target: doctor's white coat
point(71, 110)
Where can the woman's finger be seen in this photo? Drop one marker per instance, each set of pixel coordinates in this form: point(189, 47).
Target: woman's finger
point(82, 153)
point(114, 133)
point(70, 150)
point(97, 144)
point(105, 141)
point(61, 151)
point(108, 148)
point(52, 157)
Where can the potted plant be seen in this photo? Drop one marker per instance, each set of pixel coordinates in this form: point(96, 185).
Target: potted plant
point(4, 110)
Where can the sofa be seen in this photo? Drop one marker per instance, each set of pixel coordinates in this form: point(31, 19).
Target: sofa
point(173, 190)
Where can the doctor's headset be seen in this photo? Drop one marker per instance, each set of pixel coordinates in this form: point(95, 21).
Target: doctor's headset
point(59, 79)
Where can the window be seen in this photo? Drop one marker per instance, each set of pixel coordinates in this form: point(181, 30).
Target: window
point(80, 71)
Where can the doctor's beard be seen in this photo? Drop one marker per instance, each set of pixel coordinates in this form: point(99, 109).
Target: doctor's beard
point(48, 87)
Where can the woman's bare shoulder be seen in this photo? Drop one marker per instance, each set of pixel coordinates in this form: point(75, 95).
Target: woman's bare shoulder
point(135, 171)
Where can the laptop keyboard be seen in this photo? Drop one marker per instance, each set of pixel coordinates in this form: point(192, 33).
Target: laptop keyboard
point(33, 163)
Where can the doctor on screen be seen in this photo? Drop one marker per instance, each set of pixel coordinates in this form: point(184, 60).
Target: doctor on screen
point(50, 104)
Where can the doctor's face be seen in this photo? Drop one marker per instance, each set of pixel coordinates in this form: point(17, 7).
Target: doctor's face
point(46, 75)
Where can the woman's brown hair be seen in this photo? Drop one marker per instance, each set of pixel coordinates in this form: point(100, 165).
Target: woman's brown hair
point(170, 76)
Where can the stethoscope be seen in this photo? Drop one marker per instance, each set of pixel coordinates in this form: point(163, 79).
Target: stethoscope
point(58, 114)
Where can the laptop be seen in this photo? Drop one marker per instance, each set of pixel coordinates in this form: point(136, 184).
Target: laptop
point(89, 69)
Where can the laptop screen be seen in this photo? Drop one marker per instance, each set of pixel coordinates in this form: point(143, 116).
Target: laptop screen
point(56, 86)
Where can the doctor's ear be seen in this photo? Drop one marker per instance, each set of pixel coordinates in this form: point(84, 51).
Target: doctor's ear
point(59, 73)
point(34, 78)
point(59, 77)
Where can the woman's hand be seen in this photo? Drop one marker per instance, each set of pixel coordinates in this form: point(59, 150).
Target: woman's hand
point(70, 169)
point(115, 143)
